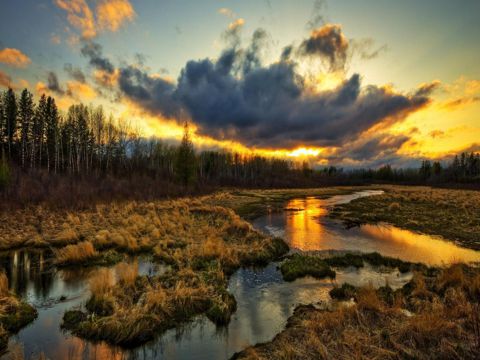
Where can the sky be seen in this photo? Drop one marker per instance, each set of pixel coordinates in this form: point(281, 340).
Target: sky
point(348, 83)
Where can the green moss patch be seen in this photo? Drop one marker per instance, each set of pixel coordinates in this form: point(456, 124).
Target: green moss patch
point(298, 266)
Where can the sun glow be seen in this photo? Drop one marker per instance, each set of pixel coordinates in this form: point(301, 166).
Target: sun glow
point(304, 152)
point(328, 81)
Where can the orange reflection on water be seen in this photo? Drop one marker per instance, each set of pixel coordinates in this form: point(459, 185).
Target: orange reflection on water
point(301, 223)
point(306, 229)
point(418, 247)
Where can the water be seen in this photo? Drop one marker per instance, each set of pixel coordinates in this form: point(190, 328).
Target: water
point(264, 300)
point(52, 291)
point(305, 226)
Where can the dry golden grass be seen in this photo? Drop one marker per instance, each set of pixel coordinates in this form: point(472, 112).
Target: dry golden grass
point(76, 254)
point(4, 290)
point(443, 326)
point(126, 273)
point(453, 214)
point(136, 226)
point(202, 243)
point(101, 284)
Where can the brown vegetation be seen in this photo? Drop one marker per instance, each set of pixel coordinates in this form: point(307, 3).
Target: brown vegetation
point(202, 243)
point(14, 314)
point(453, 214)
point(429, 318)
point(76, 254)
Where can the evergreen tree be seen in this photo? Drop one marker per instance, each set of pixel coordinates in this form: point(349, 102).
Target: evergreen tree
point(38, 136)
point(2, 125)
point(51, 131)
point(10, 109)
point(185, 160)
point(25, 113)
point(437, 168)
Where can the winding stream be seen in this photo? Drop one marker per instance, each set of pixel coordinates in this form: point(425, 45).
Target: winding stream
point(264, 300)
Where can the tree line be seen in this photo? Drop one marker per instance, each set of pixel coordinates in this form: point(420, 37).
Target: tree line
point(85, 142)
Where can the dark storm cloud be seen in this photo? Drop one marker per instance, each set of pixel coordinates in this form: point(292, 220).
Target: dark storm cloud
point(372, 148)
point(53, 83)
point(427, 89)
point(373, 151)
point(252, 58)
point(94, 53)
point(236, 97)
point(327, 42)
point(153, 94)
point(75, 73)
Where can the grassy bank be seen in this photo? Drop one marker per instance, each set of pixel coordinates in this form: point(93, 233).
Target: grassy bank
point(429, 318)
point(250, 204)
point(297, 265)
point(203, 244)
point(14, 313)
point(453, 214)
point(133, 226)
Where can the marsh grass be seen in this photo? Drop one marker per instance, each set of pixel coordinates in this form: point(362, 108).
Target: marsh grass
point(297, 266)
point(441, 326)
point(14, 313)
point(250, 204)
point(76, 254)
point(452, 214)
point(203, 243)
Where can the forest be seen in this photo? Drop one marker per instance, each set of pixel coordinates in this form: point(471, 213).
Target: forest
point(84, 155)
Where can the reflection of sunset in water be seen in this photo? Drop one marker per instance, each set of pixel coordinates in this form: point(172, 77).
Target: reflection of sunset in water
point(301, 224)
point(306, 227)
point(419, 247)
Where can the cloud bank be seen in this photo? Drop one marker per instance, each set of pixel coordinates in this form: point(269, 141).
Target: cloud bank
point(107, 15)
point(236, 97)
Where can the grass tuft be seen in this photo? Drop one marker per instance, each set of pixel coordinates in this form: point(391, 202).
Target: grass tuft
point(298, 266)
point(76, 254)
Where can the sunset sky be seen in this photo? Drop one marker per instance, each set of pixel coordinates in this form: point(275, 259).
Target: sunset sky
point(350, 83)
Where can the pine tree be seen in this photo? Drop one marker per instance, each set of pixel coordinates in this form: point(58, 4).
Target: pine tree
point(2, 125)
point(38, 136)
point(437, 168)
point(51, 129)
point(10, 109)
point(25, 113)
point(185, 159)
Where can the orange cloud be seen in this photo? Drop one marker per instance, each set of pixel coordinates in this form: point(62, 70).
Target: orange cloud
point(5, 80)
point(460, 102)
point(63, 102)
point(80, 16)
point(41, 88)
point(80, 90)
point(106, 79)
point(14, 57)
point(111, 14)
point(459, 94)
point(236, 24)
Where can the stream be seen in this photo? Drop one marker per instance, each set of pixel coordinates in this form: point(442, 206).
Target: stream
point(264, 300)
